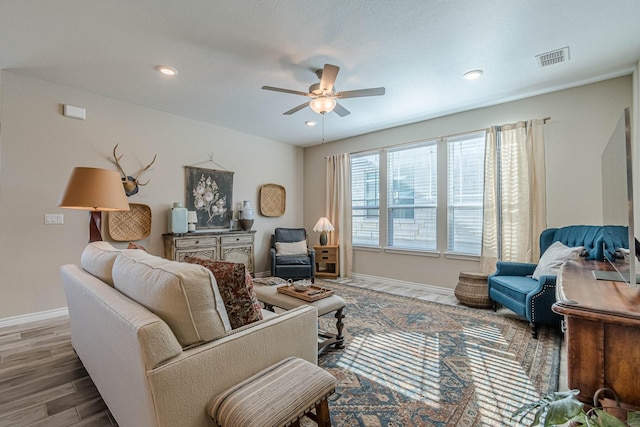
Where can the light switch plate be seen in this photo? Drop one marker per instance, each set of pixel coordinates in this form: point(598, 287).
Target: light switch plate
point(53, 219)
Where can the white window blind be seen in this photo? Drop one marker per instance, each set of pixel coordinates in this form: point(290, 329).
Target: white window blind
point(465, 185)
point(365, 199)
point(412, 196)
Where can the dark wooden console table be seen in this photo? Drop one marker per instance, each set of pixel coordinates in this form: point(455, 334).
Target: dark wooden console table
point(602, 320)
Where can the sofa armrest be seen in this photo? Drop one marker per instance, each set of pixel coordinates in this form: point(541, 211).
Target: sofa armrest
point(312, 260)
point(540, 300)
point(183, 386)
point(504, 268)
point(272, 253)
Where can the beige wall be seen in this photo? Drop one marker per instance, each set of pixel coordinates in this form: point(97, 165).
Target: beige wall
point(582, 120)
point(39, 147)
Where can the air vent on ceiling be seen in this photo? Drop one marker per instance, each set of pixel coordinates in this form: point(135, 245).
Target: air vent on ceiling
point(553, 57)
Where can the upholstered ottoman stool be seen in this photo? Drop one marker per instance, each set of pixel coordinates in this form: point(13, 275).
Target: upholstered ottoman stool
point(277, 396)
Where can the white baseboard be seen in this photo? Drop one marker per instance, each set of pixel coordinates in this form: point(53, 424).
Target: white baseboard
point(33, 317)
point(420, 286)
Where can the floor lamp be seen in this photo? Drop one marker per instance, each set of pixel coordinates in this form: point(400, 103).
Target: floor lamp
point(94, 190)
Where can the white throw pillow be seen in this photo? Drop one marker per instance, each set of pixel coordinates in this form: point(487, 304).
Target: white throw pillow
point(553, 258)
point(294, 248)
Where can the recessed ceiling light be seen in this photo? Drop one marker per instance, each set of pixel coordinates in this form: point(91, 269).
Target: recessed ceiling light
point(165, 69)
point(310, 123)
point(472, 75)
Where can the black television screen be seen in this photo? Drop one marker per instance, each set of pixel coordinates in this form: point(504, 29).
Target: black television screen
point(617, 188)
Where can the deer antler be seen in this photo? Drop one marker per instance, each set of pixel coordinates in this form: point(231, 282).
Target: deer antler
point(130, 184)
point(116, 158)
point(141, 172)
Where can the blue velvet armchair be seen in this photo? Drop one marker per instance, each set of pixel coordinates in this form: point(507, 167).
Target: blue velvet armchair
point(513, 287)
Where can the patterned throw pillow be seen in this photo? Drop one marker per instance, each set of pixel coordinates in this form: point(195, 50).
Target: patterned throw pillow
point(236, 288)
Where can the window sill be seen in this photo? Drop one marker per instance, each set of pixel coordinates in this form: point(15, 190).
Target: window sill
point(367, 248)
point(466, 257)
point(415, 252)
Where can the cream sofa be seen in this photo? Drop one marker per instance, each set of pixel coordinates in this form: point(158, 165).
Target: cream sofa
point(155, 337)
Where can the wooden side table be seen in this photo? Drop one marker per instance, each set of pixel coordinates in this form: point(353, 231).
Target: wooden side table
point(327, 262)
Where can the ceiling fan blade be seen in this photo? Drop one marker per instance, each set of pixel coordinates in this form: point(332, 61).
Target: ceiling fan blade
point(279, 89)
point(296, 109)
point(329, 74)
point(374, 91)
point(340, 110)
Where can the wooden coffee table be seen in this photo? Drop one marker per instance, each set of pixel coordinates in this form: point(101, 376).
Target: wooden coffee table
point(270, 297)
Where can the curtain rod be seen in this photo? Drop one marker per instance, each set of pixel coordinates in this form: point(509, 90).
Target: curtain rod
point(545, 120)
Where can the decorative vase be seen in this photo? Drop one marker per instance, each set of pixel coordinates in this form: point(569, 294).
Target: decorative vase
point(177, 219)
point(245, 216)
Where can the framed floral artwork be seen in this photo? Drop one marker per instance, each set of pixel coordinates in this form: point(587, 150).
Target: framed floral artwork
point(210, 194)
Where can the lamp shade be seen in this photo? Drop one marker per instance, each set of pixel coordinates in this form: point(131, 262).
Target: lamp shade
point(323, 224)
point(323, 105)
point(94, 189)
point(192, 217)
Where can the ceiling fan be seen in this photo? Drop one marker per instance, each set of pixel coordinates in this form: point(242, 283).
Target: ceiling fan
point(323, 94)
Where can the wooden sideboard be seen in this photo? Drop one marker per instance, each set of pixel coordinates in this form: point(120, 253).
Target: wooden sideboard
point(233, 246)
point(602, 321)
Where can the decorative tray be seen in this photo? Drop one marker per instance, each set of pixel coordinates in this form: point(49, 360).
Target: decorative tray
point(314, 293)
point(134, 224)
point(273, 200)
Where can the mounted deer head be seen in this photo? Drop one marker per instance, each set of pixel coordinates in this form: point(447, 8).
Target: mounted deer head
point(130, 183)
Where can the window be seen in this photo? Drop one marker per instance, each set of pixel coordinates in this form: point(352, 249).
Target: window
point(412, 196)
point(395, 195)
point(365, 199)
point(465, 192)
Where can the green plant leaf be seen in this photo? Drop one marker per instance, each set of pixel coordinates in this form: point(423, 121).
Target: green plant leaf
point(633, 419)
point(562, 410)
point(604, 419)
point(554, 408)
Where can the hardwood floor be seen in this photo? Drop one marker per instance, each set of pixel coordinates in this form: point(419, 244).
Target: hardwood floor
point(42, 382)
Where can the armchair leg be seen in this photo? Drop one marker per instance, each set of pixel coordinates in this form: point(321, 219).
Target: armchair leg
point(534, 330)
point(494, 305)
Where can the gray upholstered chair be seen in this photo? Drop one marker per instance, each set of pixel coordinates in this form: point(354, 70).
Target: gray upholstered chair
point(293, 266)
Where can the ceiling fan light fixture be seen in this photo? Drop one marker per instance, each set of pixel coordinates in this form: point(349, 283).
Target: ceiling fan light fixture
point(323, 105)
point(472, 75)
point(166, 70)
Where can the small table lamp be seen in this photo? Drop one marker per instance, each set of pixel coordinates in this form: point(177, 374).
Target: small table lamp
point(95, 190)
point(192, 220)
point(323, 225)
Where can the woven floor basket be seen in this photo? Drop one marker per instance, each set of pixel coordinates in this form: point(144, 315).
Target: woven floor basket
point(472, 290)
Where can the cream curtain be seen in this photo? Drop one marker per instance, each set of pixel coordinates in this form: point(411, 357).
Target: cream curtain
point(514, 195)
point(338, 205)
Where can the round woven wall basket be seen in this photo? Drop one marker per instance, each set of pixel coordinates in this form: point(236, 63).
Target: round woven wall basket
point(472, 290)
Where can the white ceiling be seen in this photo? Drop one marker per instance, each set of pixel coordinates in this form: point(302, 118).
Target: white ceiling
point(225, 51)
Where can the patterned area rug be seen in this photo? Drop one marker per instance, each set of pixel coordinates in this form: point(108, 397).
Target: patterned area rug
point(409, 362)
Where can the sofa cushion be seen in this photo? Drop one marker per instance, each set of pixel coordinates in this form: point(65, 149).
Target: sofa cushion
point(236, 288)
point(184, 295)
point(516, 287)
point(294, 260)
point(553, 258)
point(97, 259)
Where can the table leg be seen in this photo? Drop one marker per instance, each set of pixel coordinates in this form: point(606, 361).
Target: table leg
point(339, 325)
